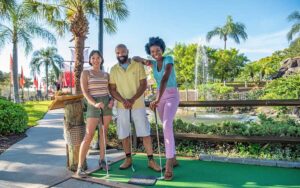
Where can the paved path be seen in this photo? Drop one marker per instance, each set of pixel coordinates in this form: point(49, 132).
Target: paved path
point(39, 160)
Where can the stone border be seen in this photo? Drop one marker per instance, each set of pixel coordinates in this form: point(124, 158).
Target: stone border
point(108, 151)
point(106, 182)
point(249, 161)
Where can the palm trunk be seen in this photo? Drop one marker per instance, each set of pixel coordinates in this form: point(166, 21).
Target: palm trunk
point(79, 60)
point(79, 28)
point(15, 72)
point(47, 81)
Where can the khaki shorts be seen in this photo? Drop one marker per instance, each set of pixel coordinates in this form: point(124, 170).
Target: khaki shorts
point(140, 121)
point(93, 112)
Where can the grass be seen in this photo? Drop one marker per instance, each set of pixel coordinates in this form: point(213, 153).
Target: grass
point(195, 173)
point(36, 111)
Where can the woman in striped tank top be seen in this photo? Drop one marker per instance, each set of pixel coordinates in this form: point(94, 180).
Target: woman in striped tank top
point(94, 85)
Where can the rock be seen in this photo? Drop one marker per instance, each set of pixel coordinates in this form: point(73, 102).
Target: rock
point(236, 112)
point(252, 113)
point(289, 66)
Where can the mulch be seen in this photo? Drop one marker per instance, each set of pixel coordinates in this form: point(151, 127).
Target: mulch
point(8, 140)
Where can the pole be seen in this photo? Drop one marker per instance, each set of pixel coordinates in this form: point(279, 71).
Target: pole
point(100, 48)
point(100, 34)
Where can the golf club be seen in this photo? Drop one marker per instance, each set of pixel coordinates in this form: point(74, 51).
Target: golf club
point(130, 135)
point(104, 138)
point(158, 144)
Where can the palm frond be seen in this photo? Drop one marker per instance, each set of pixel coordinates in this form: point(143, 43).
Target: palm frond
point(35, 63)
point(294, 30)
point(294, 16)
point(235, 37)
point(57, 71)
point(116, 9)
point(110, 25)
point(36, 30)
point(52, 13)
point(214, 32)
point(46, 57)
point(90, 7)
point(5, 5)
point(57, 63)
point(5, 34)
point(239, 29)
point(25, 39)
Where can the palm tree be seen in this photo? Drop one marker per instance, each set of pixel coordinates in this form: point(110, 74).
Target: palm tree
point(20, 28)
point(229, 30)
point(47, 58)
point(5, 5)
point(72, 15)
point(295, 16)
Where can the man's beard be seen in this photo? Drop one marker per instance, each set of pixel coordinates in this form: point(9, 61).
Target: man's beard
point(122, 59)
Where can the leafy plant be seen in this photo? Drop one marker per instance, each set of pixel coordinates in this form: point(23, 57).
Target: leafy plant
point(13, 118)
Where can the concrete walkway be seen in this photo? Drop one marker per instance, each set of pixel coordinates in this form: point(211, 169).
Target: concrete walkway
point(39, 160)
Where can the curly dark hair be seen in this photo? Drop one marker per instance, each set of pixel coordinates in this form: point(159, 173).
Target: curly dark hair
point(155, 41)
point(99, 53)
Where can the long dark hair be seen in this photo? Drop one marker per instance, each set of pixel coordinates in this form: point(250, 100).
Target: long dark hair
point(99, 53)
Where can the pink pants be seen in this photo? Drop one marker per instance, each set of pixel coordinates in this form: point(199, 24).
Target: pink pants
point(167, 108)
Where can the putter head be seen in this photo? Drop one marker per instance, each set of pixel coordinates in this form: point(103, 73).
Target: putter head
point(160, 178)
point(132, 168)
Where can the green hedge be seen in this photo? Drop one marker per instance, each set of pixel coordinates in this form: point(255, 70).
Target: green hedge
point(264, 127)
point(13, 118)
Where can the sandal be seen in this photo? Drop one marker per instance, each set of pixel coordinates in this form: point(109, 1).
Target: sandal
point(169, 175)
point(175, 164)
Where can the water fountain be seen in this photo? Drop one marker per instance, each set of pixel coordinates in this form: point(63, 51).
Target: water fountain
point(201, 60)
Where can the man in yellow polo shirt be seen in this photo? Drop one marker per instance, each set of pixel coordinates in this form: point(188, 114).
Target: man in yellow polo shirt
point(127, 85)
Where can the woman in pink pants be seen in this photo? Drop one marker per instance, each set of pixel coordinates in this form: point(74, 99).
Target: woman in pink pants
point(167, 98)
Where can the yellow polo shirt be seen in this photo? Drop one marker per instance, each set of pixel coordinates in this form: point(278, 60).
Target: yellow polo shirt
point(128, 82)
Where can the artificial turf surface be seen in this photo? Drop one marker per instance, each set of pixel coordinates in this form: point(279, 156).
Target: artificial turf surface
point(195, 173)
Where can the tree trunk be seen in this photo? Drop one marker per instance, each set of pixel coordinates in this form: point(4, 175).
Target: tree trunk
point(225, 39)
point(15, 72)
point(79, 60)
point(47, 80)
point(79, 28)
point(74, 130)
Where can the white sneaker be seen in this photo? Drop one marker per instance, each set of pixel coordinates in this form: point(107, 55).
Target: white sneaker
point(81, 173)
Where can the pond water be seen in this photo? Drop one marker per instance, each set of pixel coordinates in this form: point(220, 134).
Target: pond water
point(196, 117)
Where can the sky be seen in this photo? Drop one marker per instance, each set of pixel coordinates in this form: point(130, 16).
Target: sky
point(182, 21)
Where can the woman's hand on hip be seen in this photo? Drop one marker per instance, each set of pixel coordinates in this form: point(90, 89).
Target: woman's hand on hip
point(111, 104)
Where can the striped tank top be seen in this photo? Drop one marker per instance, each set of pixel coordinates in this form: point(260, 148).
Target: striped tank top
point(98, 86)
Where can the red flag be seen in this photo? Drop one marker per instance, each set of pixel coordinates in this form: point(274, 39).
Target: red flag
point(36, 83)
point(22, 79)
point(11, 69)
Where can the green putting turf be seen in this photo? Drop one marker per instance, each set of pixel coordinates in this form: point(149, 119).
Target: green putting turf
point(195, 173)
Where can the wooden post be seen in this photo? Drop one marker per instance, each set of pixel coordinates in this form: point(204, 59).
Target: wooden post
point(74, 130)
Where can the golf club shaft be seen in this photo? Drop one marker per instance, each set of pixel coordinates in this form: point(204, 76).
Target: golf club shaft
point(130, 137)
point(104, 139)
point(158, 142)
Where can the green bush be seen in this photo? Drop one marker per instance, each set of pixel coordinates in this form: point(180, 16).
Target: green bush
point(264, 127)
point(13, 118)
point(216, 90)
point(283, 88)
